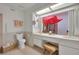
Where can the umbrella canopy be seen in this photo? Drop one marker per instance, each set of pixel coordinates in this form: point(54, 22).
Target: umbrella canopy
point(51, 20)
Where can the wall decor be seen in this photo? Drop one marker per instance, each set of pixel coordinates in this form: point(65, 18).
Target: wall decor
point(18, 23)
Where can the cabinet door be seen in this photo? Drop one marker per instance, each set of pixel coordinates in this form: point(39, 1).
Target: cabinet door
point(38, 42)
point(64, 50)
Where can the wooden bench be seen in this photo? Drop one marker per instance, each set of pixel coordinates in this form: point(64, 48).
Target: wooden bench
point(49, 48)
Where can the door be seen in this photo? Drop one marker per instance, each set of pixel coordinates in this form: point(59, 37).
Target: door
point(1, 30)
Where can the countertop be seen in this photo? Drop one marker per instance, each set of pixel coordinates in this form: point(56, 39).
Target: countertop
point(58, 36)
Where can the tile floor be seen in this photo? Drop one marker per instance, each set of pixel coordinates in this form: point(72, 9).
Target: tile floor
point(25, 51)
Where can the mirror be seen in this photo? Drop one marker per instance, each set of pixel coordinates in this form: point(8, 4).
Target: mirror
point(57, 23)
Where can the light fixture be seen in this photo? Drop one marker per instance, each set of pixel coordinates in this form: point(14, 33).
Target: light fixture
point(46, 10)
point(49, 9)
point(56, 5)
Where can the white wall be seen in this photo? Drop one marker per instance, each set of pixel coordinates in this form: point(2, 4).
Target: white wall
point(28, 21)
point(9, 16)
point(8, 22)
point(13, 15)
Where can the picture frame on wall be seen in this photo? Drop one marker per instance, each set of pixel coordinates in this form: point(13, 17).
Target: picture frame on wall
point(18, 23)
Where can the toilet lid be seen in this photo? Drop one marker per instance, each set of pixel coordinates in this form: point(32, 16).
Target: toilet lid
point(19, 36)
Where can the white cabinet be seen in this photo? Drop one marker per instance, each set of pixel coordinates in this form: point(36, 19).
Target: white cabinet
point(64, 50)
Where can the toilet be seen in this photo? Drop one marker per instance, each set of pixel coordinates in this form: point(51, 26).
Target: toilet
point(21, 40)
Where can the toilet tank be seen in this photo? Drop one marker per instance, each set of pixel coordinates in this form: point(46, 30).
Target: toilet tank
point(19, 36)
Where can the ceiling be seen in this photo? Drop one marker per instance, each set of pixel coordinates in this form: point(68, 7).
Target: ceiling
point(29, 6)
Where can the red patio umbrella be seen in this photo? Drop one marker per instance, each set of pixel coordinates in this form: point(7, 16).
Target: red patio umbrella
point(54, 20)
point(51, 20)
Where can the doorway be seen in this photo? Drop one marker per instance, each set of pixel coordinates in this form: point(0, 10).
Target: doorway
point(1, 30)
